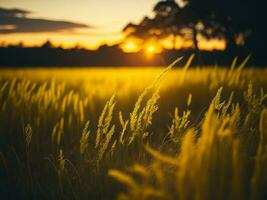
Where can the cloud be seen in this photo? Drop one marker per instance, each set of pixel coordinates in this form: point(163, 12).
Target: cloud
point(16, 21)
point(13, 12)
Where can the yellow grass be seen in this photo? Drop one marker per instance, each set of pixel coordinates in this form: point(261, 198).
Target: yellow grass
point(163, 133)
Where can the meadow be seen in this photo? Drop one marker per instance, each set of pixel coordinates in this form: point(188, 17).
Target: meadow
point(134, 133)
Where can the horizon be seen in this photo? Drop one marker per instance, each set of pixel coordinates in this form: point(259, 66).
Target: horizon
point(101, 29)
point(87, 26)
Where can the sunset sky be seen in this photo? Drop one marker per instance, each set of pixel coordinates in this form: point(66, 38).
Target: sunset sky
point(105, 19)
point(69, 22)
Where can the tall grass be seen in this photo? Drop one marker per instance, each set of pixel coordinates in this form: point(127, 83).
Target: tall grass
point(191, 134)
point(213, 162)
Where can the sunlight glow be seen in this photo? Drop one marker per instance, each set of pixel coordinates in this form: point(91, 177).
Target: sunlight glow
point(63, 39)
point(151, 49)
point(130, 47)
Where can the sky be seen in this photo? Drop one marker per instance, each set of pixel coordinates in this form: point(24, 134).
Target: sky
point(86, 23)
point(104, 18)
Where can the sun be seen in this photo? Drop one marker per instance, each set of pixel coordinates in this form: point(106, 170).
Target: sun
point(130, 46)
point(151, 49)
point(133, 46)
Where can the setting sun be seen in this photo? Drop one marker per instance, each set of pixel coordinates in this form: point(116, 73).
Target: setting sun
point(130, 46)
point(151, 49)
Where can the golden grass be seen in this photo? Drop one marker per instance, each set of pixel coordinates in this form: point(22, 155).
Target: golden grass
point(191, 134)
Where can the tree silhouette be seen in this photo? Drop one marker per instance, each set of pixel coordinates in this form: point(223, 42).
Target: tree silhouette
point(220, 19)
point(237, 22)
point(161, 25)
point(47, 44)
point(170, 18)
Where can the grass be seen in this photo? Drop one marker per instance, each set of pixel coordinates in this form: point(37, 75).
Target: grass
point(133, 133)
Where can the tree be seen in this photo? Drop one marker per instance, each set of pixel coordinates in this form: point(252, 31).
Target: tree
point(237, 22)
point(170, 18)
point(161, 25)
point(47, 45)
point(220, 19)
point(232, 20)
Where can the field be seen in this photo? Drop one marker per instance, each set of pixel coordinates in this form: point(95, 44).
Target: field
point(134, 133)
